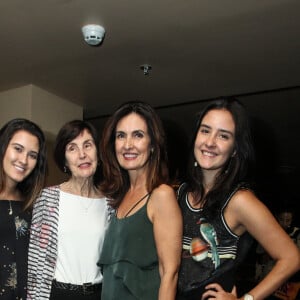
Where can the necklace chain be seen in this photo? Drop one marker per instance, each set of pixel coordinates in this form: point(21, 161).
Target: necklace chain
point(86, 208)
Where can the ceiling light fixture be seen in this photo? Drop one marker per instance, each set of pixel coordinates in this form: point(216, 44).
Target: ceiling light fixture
point(93, 34)
point(146, 68)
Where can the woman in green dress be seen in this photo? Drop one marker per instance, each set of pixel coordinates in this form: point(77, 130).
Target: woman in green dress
point(141, 251)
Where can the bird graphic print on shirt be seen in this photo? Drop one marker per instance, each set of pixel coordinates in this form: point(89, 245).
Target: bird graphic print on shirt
point(198, 247)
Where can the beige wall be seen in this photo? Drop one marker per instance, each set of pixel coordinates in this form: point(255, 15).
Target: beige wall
point(38, 105)
point(49, 111)
point(15, 103)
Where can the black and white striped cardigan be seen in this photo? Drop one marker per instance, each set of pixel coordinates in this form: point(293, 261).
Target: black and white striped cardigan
point(42, 254)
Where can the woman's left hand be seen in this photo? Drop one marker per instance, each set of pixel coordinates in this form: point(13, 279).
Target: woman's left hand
point(214, 290)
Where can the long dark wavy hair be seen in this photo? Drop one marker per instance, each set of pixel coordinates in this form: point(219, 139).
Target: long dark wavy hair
point(115, 179)
point(236, 168)
point(31, 186)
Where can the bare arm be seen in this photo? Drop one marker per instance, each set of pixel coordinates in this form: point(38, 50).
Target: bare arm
point(246, 212)
point(165, 214)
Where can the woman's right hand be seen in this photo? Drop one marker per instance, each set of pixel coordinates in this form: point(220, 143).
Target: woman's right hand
point(214, 290)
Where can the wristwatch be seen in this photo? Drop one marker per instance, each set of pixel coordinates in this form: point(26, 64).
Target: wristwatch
point(248, 297)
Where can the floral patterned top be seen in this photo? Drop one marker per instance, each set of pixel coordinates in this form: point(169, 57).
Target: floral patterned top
point(14, 238)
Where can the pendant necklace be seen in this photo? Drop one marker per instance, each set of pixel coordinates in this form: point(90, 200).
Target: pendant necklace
point(86, 203)
point(86, 207)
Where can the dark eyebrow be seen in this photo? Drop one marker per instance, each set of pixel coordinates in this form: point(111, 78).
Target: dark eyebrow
point(204, 125)
point(119, 131)
point(221, 130)
point(33, 151)
point(133, 132)
point(226, 131)
point(17, 144)
point(88, 141)
point(138, 130)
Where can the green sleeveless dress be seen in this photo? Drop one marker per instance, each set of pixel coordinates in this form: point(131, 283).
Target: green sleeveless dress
point(129, 259)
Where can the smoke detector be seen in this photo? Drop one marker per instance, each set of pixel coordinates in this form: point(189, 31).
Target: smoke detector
point(93, 34)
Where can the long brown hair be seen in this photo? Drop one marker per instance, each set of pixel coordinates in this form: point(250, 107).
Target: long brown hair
point(115, 179)
point(31, 186)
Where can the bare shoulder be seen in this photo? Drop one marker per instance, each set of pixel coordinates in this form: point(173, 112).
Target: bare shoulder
point(243, 192)
point(163, 201)
point(244, 197)
point(242, 203)
point(164, 192)
point(245, 208)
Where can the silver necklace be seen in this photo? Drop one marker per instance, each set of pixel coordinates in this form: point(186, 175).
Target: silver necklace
point(10, 210)
point(83, 204)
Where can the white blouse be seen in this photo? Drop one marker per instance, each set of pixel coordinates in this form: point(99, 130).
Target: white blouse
point(81, 229)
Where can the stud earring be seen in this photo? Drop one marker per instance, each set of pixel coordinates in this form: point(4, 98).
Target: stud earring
point(65, 169)
point(195, 164)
